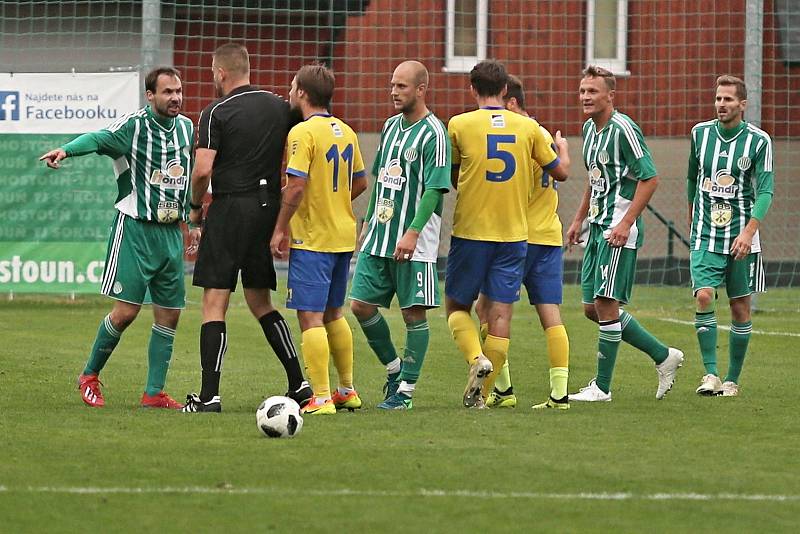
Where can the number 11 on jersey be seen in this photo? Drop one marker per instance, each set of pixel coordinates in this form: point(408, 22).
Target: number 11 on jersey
point(333, 155)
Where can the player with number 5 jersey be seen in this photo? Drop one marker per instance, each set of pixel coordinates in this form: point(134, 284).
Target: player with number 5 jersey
point(325, 172)
point(493, 154)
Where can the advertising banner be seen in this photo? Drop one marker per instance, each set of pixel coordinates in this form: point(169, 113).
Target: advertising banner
point(54, 223)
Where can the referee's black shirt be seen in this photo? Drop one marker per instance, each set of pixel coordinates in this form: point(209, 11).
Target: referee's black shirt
point(248, 129)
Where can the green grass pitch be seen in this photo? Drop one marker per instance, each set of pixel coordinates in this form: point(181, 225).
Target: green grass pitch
point(632, 465)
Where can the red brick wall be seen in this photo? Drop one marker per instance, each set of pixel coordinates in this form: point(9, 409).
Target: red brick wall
point(676, 48)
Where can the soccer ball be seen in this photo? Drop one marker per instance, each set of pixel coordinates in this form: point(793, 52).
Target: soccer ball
point(279, 417)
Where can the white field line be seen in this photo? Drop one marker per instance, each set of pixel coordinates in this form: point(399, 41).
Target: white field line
point(194, 490)
point(723, 327)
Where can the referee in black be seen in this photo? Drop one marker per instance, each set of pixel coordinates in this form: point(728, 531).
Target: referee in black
point(241, 138)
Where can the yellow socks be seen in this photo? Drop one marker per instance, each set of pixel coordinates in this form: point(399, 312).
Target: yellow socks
point(503, 381)
point(340, 339)
point(465, 335)
point(496, 349)
point(484, 332)
point(558, 356)
point(315, 355)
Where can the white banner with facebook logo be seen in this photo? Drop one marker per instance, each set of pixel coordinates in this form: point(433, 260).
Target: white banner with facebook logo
point(65, 103)
point(54, 224)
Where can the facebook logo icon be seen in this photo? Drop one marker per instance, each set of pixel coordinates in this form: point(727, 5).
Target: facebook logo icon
point(9, 106)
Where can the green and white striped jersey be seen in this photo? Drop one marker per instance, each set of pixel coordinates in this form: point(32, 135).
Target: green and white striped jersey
point(723, 166)
point(616, 157)
point(152, 163)
point(411, 158)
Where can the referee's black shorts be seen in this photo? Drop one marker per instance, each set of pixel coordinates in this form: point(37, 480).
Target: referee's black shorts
point(236, 238)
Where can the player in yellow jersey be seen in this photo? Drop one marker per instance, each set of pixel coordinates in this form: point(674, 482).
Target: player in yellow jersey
point(325, 172)
point(493, 154)
point(543, 278)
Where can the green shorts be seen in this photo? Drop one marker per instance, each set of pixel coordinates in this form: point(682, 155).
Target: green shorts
point(144, 256)
point(740, 277)
point(376, 280)
point(607, 271)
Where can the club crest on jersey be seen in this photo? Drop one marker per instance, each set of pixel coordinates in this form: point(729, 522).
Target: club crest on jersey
point(722, 186)
point(498, 121)
point(603, 157)
point(337, 130)
point(410, 154)
point(594, 209)
point(391, 176)
point(170, 178)
point(721, 214)
point(596, 180)
point(744, 163)
point(168, 211)
point(384, 210)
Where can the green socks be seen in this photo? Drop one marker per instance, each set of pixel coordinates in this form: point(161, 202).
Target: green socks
point(159, 354)
point(738, 341)
point(705, 323)
point(379, 337)
point(608, 346)
point(636, 335)
point(417, 338)
point(104, 344)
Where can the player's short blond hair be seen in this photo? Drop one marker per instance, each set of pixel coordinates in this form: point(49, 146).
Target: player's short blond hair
point(233, 58)
point(593, 71)
point(741, 88)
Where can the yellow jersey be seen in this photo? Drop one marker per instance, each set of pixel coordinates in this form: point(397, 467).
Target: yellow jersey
point(495, 149)
point(544, 226)
point(324, 151)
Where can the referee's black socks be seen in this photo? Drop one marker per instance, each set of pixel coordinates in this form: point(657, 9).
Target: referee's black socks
point(213, 344)
point(279, 337)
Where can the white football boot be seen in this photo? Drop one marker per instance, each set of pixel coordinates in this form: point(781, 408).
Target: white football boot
point(730, 389)
point(710, 386)
point(591, 393)
point(666, 372)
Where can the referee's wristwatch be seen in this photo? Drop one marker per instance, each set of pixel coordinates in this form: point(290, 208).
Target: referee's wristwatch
point(194, 206)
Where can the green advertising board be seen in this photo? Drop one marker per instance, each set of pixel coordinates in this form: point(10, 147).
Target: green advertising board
point(54, 224)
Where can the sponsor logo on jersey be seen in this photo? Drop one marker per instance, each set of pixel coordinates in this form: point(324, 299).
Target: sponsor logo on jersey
point(168, 211)
point(596, 180)
point(410, 154)
point(294, 146)
point(384, 210)
point(337, 130)
point(744, 163)
point(721, 214)
point(391, 176)
point(723, 154)
point(498, 121)
point(603, 157)
point(170, 178)
point(594, 209)
point(723, 185)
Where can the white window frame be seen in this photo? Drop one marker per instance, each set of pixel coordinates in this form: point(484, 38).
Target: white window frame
point(454, 63)
point(617, 64)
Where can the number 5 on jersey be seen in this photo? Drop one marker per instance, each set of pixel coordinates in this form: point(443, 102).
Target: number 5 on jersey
point(495, 151)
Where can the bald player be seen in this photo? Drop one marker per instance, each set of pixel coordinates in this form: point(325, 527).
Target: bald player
point(400, 235)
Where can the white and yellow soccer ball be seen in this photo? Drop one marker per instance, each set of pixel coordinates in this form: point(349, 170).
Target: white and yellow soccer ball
point(279, 417)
